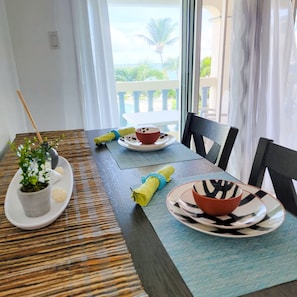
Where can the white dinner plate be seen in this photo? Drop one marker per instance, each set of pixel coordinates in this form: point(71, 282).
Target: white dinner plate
point(275, 214)
point(131, 142)
point(249, 212)
point(13, 208)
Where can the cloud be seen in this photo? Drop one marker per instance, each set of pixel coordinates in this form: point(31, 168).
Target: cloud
point(128, 48)
point(126, 23)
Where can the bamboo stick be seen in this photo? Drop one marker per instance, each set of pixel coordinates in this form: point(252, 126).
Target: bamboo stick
point(29, 115)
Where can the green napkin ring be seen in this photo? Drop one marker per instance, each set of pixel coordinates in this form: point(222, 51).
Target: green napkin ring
point(159, 176)
point(116, 134)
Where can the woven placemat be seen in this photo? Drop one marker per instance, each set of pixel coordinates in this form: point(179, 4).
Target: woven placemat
point(83, 253)
point(126, 158)
point(214, 266)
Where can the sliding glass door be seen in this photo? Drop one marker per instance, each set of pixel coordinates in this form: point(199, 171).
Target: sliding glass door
point(146, 49)
point(162, 69)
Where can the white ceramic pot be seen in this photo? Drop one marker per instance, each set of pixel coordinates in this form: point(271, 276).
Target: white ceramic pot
point(36, 204)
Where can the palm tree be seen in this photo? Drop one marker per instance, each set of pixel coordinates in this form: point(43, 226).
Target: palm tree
point(160, 33)
point(172, 64)
point(139, 72)
point(205, 67)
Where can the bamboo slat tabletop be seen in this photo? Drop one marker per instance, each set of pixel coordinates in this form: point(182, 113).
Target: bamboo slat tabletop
point(82, 253)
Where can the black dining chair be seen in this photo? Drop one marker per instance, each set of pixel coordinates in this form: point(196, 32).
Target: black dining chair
point(281, 163)
point(204, 132)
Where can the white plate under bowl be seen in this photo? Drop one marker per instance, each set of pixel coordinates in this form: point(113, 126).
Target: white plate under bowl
point(249, 212)
point(275, 214)
point(13, 208)
point(131, 142)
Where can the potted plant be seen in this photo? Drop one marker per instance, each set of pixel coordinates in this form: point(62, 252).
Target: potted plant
point(34, 160)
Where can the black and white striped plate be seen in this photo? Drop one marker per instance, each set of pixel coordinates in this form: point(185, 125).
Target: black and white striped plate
point(132, 143)
point(249, 212)
point(275, 214)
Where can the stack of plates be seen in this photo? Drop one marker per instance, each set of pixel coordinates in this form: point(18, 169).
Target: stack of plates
point(258, 213)
point(131, 142)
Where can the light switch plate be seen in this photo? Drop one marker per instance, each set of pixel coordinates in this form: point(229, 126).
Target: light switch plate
point(53, 38)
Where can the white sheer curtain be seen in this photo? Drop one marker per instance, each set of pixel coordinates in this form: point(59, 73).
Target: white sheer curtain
point(263, 79)
point(94, 53)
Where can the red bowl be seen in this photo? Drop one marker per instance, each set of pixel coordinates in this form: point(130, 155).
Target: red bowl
point(217, 197)
point(147, 135)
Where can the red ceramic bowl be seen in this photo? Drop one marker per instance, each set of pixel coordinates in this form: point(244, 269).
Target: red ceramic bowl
point(217, 197)
point(147, 135)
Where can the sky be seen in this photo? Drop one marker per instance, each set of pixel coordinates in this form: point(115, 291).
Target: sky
point(127, 22)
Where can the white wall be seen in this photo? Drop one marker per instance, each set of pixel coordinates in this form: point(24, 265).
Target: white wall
point(12, 118)
point(47, 77)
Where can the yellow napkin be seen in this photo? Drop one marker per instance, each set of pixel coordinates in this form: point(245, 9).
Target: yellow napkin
point(113, 134)
point(151, 183)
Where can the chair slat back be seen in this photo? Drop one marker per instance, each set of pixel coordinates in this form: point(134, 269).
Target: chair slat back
point(222, 136)
point(281, 164)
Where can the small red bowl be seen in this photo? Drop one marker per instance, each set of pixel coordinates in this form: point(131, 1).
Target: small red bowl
point(217, 197)
point(147, 135)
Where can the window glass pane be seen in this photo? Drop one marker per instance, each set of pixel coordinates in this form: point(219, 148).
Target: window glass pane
point(215, 56)
point(146, 50)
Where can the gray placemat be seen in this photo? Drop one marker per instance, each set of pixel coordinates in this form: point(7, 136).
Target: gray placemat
point(126, 158)
point(214, 266)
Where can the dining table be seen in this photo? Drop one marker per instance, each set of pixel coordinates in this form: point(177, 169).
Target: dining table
point(103, 243)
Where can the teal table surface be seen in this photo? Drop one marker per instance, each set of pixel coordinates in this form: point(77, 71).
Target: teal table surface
point(214, 266)
point(126, 158)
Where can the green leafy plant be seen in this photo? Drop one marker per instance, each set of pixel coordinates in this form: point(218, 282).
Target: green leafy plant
point(34, 162)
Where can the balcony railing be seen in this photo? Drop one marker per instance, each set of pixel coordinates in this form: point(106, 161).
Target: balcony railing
point(147, 97)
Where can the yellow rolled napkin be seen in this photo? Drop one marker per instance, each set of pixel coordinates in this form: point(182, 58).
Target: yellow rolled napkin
point(150, 184)
point(113, 134)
